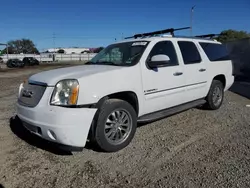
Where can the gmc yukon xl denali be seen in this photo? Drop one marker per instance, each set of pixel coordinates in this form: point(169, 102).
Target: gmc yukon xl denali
point(141, 79)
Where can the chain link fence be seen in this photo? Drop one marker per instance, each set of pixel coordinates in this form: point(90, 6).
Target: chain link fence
point(239, 51)
point(51, 57)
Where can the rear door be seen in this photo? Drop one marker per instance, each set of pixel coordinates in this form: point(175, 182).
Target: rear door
point(195, 70)
point(163, 86)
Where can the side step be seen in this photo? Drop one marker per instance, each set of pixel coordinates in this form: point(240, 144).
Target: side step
point(169, 111)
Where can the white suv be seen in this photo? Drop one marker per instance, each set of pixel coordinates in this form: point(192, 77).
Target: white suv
point(135, 80)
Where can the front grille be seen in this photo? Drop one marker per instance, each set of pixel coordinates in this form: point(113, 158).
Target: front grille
point(31, 94)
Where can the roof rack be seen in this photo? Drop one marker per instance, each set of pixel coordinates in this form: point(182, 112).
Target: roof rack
point(207, 36)
point(150, 34)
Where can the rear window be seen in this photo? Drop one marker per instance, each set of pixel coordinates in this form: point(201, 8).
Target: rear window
point(215, 52)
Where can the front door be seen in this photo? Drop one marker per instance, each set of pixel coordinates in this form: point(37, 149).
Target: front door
point(163, 86)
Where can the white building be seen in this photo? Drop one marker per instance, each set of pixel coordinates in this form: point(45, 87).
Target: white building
point(68, 50)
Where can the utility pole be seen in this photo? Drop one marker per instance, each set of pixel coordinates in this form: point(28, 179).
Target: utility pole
point(54, 42)
point(7, 49)
point(191, 20)
point(54, 47)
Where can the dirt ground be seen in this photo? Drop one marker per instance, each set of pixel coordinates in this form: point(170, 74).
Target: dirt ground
point(196, 148)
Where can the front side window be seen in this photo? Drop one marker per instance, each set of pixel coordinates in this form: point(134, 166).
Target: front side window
point(189, 51)
point(121, 54)
point(215, 52)
point(165, 48)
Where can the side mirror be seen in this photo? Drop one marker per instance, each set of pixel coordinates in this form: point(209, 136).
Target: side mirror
point(158, 61)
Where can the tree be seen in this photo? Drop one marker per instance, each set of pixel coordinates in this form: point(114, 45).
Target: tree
point(229, 35)
point(25, 46)
point(10, 50)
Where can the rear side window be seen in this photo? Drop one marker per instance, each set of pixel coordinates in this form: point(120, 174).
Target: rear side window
point(215, 52)
point(189, 51)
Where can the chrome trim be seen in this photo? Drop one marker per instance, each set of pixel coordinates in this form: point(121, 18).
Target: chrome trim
point(37, 83)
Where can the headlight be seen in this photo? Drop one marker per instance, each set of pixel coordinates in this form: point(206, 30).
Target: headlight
point(65, 93)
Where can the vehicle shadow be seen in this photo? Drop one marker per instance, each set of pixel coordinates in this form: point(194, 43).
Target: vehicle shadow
point(1, 186)
point(241, 87)
point(93, 147)
point(20, 131)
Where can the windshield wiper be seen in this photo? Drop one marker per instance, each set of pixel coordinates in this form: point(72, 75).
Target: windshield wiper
point(108, 63)
point(89, 63)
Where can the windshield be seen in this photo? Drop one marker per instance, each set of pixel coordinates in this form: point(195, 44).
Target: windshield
point(121, 54)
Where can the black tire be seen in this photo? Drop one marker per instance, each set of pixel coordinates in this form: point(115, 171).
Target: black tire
point(211, 104)
point(98, 134)
point(9, 65)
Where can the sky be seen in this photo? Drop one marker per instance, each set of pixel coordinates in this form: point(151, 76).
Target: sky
point(92, 23)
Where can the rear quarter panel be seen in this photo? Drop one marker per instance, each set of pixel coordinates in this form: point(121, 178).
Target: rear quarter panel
point(221, 68)
point(215, 68)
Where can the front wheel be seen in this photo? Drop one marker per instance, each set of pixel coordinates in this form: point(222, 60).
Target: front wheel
point(215, 95)
point(115, 125)
point(9, 65)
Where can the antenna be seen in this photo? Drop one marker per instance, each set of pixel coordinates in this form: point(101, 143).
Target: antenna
point(159, 32)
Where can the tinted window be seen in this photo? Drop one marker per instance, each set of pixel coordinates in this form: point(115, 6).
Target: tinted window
point(189, 52)
point(215, 52)
point(166, 48)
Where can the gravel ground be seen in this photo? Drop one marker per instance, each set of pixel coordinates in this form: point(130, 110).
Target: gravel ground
point(196, 148)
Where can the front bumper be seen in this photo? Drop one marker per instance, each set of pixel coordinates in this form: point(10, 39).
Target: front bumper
point(67, 126)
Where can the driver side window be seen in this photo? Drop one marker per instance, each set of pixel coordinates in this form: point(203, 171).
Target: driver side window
point(165, 48)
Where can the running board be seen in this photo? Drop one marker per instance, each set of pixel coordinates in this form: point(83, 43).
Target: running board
point(169, 111)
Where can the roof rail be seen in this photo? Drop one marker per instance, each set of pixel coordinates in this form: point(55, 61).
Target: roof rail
point(207, 35)
point(149, 34)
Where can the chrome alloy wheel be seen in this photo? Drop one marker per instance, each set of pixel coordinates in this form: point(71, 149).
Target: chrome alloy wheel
point(118, 126)
point(217, 96)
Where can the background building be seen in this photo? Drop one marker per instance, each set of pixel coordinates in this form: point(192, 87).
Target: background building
point(68, 50)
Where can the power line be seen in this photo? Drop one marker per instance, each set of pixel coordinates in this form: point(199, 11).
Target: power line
point(82, 37)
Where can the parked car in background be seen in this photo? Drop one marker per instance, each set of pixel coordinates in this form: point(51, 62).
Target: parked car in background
point(1, 60)
point(11, 63)
point(30, 61)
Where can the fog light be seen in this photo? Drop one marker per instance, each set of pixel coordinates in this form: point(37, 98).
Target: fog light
point(51, 134)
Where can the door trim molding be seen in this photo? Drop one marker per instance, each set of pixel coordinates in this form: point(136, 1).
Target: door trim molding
point(174, 88)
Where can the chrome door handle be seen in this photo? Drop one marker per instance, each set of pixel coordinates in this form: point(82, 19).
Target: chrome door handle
point(202, 70)
point(178, 73)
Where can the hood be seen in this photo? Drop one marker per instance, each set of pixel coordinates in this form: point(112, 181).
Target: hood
point(51, 77)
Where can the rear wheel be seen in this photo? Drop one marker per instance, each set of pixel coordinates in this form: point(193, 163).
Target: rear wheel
point(115, 125)
point(9, 65)
point(22, 65)
point(215, 95)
